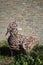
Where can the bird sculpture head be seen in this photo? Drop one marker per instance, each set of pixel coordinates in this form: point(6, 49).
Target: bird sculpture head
point(12, 28)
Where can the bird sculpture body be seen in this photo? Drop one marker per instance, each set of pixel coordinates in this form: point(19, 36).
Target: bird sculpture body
point(16, 40)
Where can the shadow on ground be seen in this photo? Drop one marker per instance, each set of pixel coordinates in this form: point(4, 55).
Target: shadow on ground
point(5, 51)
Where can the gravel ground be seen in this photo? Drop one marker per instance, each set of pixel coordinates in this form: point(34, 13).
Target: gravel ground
point(28, 14)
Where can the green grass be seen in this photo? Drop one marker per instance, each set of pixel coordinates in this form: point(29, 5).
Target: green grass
point(35, 57)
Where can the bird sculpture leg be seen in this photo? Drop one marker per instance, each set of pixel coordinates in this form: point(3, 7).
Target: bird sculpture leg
point(11, 51)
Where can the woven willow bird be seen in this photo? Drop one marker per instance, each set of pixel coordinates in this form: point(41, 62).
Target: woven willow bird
point(16, 40)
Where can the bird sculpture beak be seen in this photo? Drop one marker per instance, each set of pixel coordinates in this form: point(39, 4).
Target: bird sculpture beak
point(6, 33)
